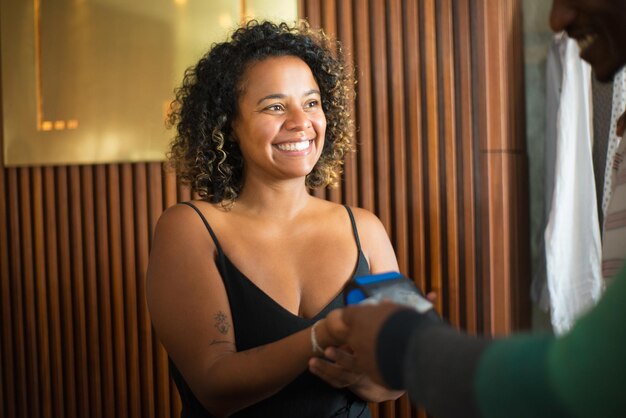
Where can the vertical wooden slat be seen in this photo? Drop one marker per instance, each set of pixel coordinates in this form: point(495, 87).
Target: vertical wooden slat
point(155, 208)
point(431, 102)
point(117, 288)
point(25, 399)
point(40, 298)
point(301, 8)
point(452, 268)
point(481, 105)
point(9, 364)
point(169, 187)
point(397, 133)
point(363, 116)
point(345, 35)
point(328, 14)
point(494, 166)
point(79, 295)
point(65, 289)
point(91, 280)
point(130, 290)
point(7, 392)
point(145, 327)
point(520, 240)
point(414, 130)
point(520, 247)
point(466, 135)
point(38, 385)
point(104, 291)
point(381, 112)
point(496, 143)
point(313, 13)
point(45, 224)
point(7, 398)
point(155, 181)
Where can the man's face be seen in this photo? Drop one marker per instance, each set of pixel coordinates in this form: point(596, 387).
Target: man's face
point(599, 27)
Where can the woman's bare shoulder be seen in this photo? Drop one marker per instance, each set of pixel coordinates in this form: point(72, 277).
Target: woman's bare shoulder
point(182, 222)
point(366, 220)
point(189, 212)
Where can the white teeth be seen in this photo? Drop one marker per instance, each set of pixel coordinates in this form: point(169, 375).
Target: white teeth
point(585, 42)
point(294, 146)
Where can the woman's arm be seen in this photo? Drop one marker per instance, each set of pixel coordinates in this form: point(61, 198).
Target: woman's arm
point(191, 315)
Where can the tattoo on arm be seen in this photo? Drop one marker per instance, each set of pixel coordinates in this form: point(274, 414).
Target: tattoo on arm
point(221, 322)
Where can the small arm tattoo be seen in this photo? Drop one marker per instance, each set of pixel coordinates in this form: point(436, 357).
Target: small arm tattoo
point(221, 322)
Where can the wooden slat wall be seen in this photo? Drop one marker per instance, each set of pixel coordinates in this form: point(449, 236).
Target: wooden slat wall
point(440, 159)
point(441, 156)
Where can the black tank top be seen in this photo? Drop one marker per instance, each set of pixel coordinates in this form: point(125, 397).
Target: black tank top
point(259, 320)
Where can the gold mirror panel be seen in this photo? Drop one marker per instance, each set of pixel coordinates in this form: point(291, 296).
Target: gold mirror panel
point(90, 81)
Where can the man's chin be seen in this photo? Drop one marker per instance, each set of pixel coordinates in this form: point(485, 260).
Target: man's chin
point(602, 78)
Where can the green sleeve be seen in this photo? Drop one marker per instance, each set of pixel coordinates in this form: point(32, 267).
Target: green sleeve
point(588, 366)
point(512, 380)
point(581, 374)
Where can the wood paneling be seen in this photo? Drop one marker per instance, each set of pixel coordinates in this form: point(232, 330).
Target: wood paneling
point(440, 159)
point(440, 155)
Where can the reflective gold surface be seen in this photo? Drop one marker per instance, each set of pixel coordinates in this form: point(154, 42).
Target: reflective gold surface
point(89, 81)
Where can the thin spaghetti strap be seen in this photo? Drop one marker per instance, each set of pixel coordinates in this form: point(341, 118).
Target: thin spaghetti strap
point(354, 230)
point(208, 227)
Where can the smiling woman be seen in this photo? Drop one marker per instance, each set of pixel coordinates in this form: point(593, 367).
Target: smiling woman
point(240, 281)
point(209, 98)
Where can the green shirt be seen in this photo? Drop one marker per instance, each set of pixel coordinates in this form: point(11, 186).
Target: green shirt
point(580, 374)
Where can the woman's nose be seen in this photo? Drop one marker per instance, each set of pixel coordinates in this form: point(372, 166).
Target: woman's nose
point(297, 120)
point(561, 15)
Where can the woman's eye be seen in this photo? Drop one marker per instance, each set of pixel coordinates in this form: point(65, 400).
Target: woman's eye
point(312, 103)
point(275, 108)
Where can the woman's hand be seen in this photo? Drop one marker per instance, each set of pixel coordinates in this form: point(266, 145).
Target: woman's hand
point(338, 367)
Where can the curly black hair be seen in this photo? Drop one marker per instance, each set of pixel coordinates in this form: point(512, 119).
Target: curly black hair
point(204, 151)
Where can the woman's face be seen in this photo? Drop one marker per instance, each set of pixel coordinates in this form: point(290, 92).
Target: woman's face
point(280, 127)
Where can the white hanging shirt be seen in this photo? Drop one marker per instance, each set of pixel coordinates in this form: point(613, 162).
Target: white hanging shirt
point(572, 236)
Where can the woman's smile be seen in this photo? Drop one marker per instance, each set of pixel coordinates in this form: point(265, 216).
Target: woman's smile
point(298, 148)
